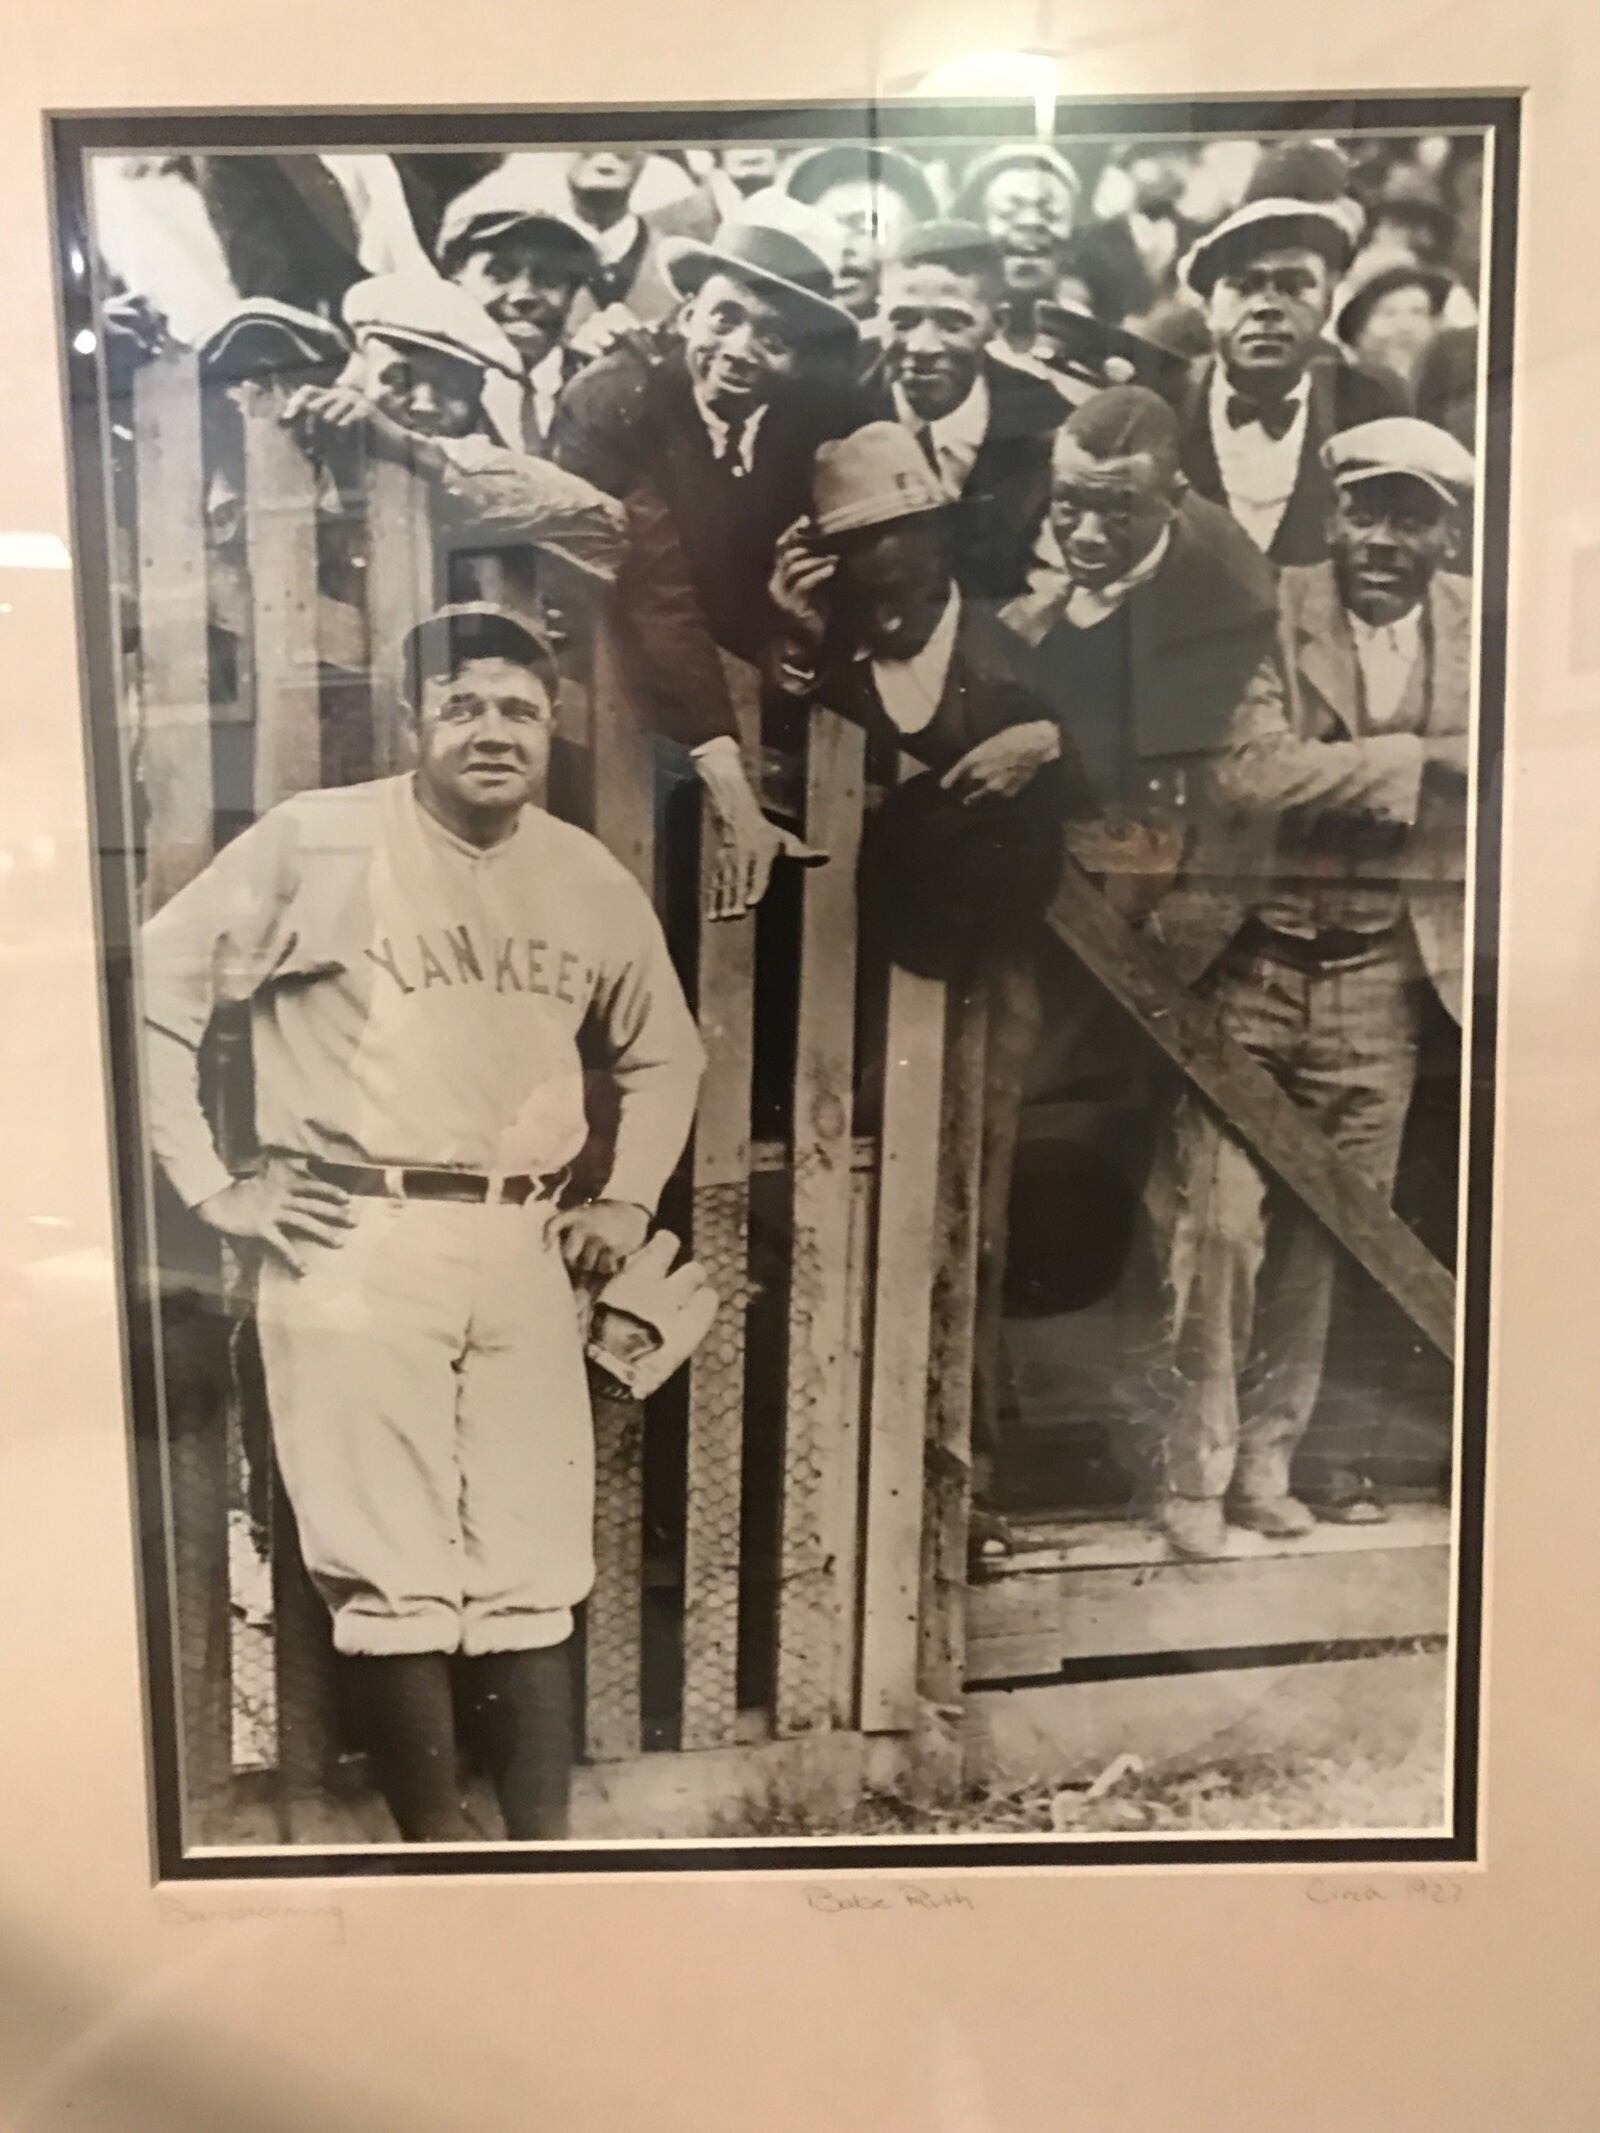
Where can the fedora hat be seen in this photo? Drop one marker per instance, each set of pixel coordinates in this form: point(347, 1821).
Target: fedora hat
point(774, 262)
point(871, 478)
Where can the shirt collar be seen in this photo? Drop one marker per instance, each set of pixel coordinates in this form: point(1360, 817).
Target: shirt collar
point(615, 243)
point(718, 426)
point(934, 658)
point(1398, 636)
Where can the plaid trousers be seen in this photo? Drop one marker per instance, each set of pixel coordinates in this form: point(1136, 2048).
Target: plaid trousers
point(1248, 1275)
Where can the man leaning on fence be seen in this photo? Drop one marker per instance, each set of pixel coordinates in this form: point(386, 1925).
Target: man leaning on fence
point(420, 956)
point(1346, 907)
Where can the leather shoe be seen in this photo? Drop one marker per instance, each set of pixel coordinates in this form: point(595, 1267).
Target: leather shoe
point(1194, 1526)
point(1278, 1517)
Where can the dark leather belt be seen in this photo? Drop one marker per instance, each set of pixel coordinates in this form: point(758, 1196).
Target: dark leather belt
point(1312, 951)
point(368, 1181)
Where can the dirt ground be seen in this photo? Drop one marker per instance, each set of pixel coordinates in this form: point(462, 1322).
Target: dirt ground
point(1236, 1794)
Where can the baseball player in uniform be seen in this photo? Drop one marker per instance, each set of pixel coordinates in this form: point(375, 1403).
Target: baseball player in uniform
point(421, 955)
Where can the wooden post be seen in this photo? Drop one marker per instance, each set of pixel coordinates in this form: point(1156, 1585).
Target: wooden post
point(175, 683)
point(721, 1223)
point(1132, 970)
point(901, 1331)
point(847, 1503)
point(816, 1423)
point(623, 807)
point(281, 548)
point(401, 591)
point(941, 1655)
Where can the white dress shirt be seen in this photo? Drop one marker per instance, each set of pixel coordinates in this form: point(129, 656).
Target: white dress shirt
point(909, 689)
point(718, 429)
point(545, 381)
point(1258, 472)
point(1388, 652)
point(957, 438)
point(1050, 595)
point(612, 244)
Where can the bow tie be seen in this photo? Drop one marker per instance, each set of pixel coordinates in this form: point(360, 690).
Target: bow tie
point(1276, 417)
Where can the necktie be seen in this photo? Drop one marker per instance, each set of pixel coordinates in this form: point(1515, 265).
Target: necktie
point(729, 454)
point(1276, 417)
point(930, 451)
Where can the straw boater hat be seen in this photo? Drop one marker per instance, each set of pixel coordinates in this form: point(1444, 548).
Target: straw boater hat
point(774, 262)
point(1401, 445)
point(873, 477)
point(810, 174)
point(1013, 155)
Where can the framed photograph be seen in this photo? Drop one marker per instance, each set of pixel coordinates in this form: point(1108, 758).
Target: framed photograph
point(798, 819)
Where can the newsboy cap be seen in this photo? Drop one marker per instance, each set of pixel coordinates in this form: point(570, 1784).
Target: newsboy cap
point(871, 478)
point(964, 247)
point(467, 229)
point(1401, 445)
point(432, 313)
point(1267, 226)
point(443, 642)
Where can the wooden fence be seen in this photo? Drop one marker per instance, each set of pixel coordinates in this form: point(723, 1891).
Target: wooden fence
point(837, 1591)
point(773, 1571)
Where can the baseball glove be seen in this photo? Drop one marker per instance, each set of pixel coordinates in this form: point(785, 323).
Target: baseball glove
point(646, 1321)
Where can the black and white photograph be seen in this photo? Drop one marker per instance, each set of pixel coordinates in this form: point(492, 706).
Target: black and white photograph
point(797, 825)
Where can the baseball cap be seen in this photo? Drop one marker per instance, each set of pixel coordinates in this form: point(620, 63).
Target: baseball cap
point(443, 642)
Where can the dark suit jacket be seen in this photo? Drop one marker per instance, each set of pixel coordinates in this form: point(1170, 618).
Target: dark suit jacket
point(997, 517)
point(1110, 255)
point(1193, 636)
point(631, 419)
point(1341, 396)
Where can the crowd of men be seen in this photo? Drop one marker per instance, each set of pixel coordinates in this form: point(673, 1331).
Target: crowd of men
point(1127, 492)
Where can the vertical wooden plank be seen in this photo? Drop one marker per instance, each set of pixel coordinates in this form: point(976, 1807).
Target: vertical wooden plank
point(901, 1330)
point(401, 590)
point(847, 1499)
point(721, 1233)
point(281, 550)
point(623, 818)
point(948, 1471)
point(815, 1420)
point(174, 680)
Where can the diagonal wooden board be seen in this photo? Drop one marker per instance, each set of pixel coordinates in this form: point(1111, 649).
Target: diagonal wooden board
point(1132, 970)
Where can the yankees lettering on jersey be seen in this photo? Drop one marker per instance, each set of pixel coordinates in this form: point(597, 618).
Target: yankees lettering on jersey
point(418, 1001)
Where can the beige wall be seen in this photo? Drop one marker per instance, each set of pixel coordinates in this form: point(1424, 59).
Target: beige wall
point(1108, 2004)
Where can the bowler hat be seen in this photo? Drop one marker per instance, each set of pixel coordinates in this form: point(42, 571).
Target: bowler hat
point(443, 642)
point(811, 173)
point(775, 263)
point(872, 477)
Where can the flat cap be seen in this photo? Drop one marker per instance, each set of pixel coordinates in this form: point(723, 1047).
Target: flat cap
point(949, 243)
point(982, 171)
point(1263, 226)
point(469, 229)
point(432, 312)
point(1401, 445)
